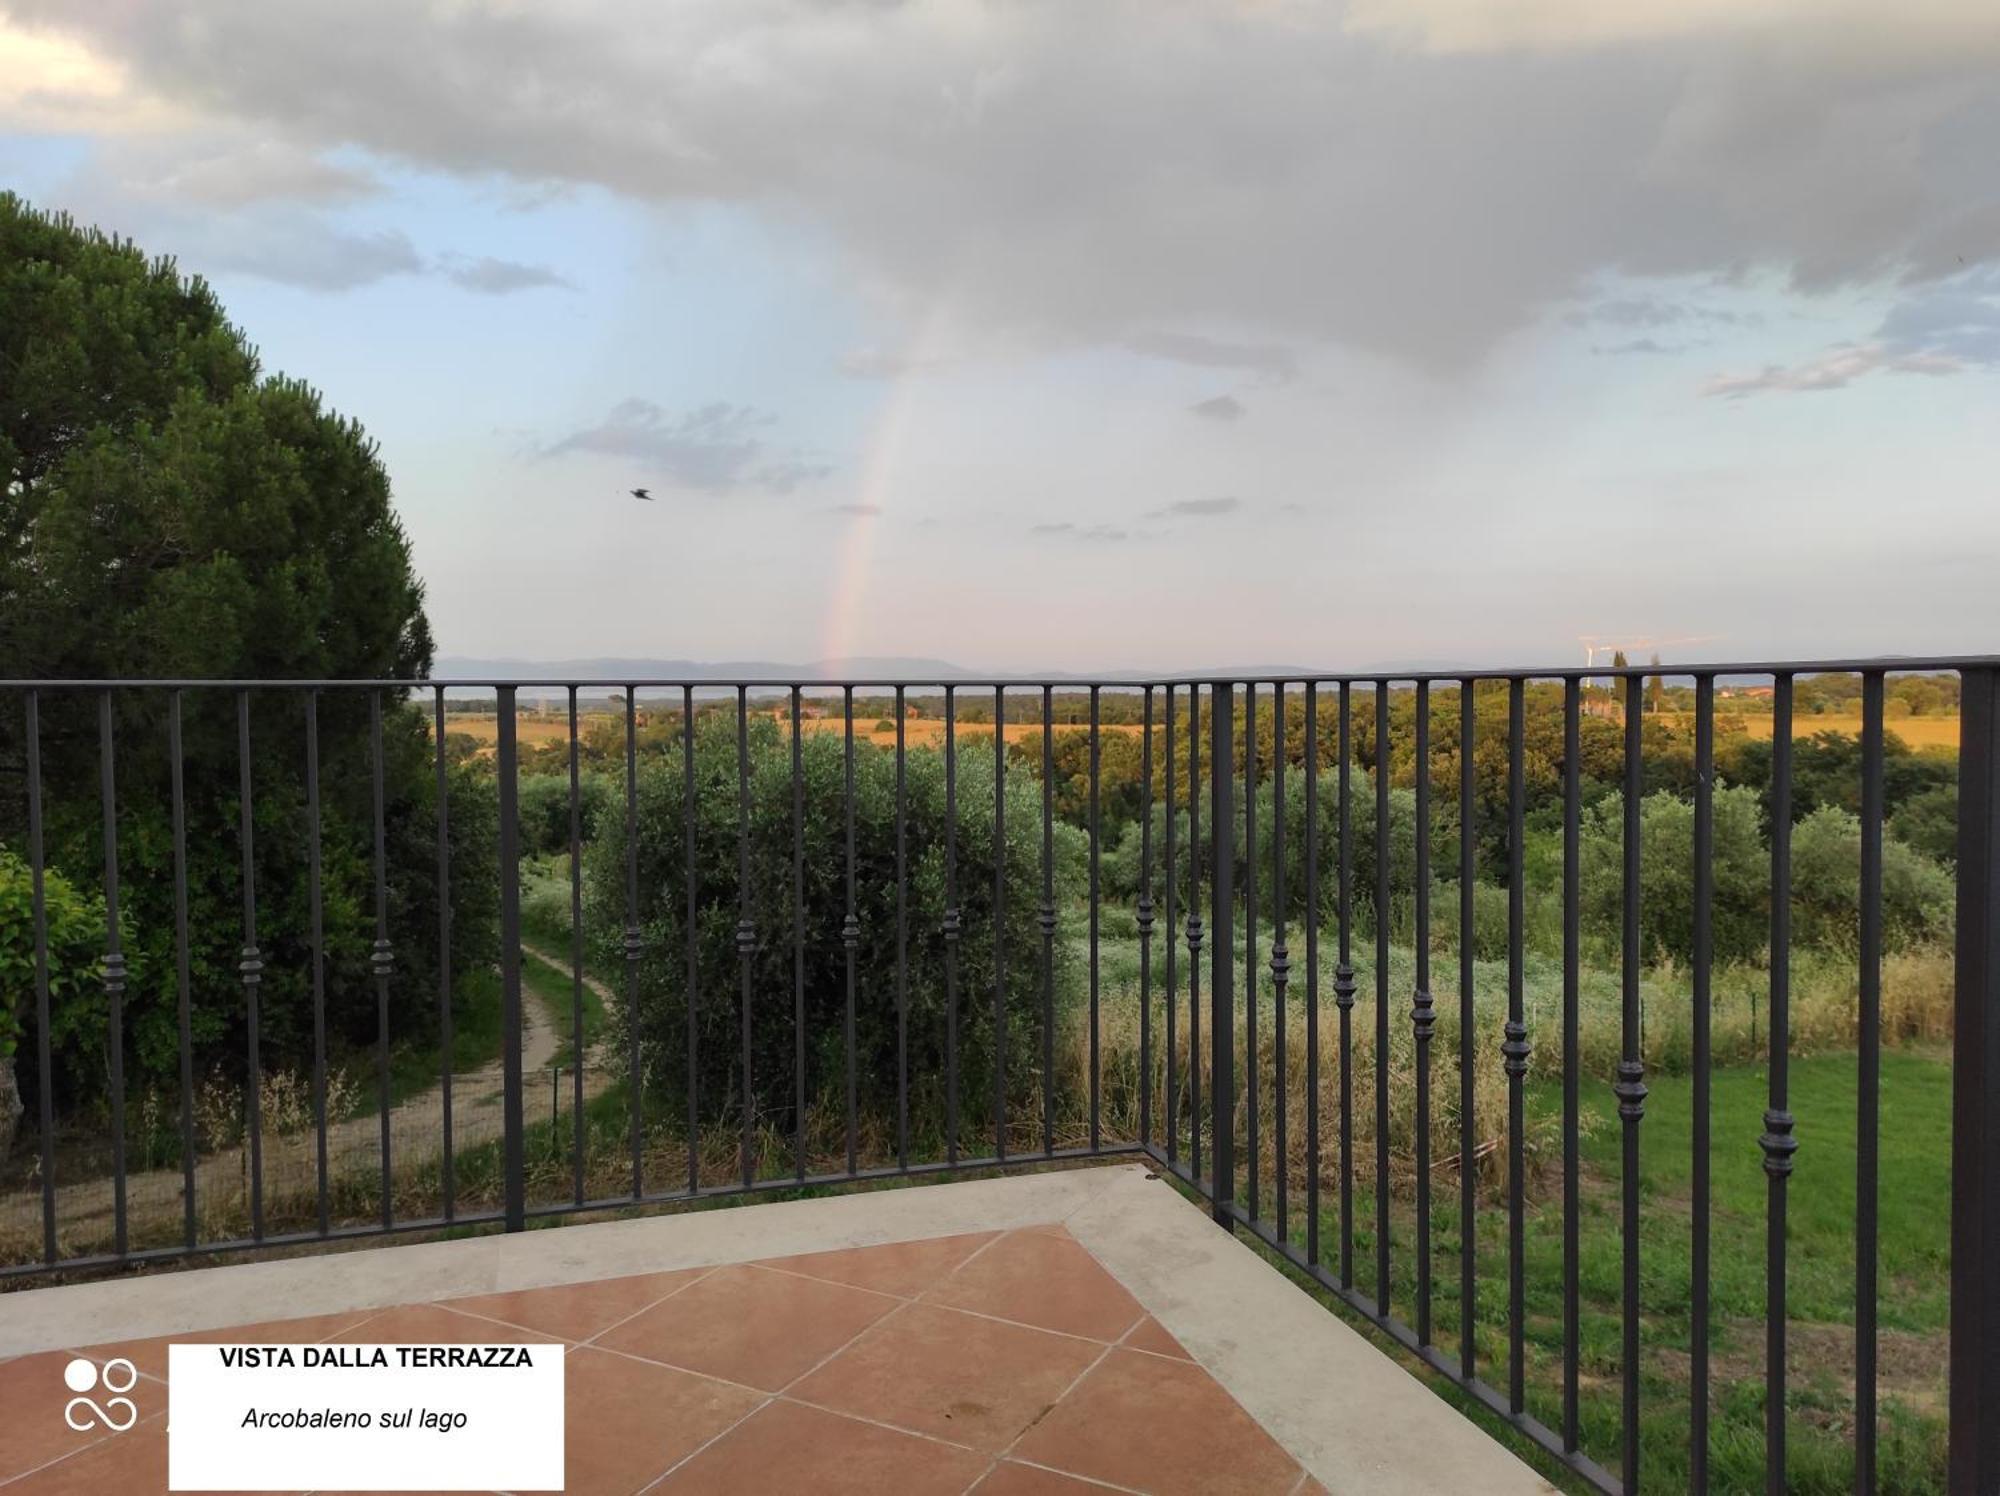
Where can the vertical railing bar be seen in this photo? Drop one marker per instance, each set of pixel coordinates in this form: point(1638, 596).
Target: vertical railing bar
point(250, 966)
point(999, 922)
point(1096, 1079)
point(633, 941)
point(1312, 923)
point(1194, 928)
point(577, 1052)
point(1704, 948)
point(1343, 991)
point(114, 967)
point(902, 946)
point(952, 925)
point(1171, 1120)
point(381, 956)
point(850, 930)
point(1868, 1100)
point(1222, 950)
point(1422, 1016)
point(512, 1099)
point(1145, 915)
point(798, 938)
point(1631, 1087)
point(1047, 916)
point(1973, 1442)
point(450, 1161)
point(1778, 1142)
point(43, 1043)
point(1468, 1031)
point(1382, 844)
point(689, 941)
point(1251, 1053)
point(746, 932)
point(183, 974)
point(1281, 965)
point(1515, 1048)
point(1571, 1039)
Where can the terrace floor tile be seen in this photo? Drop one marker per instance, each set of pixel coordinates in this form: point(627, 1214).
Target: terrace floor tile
point(788, 1447)
point(578, 1311)
point(750, 1325)
point(1045, 1280)
point(1159, 1425)
point(950, 1375)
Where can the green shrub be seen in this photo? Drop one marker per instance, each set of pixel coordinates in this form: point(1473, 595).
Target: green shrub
point(75, 947)
point(1917, 894)
point(544, 809)
point(662, 914)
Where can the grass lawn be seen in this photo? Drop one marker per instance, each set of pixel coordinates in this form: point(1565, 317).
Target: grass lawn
point(1914, 1276)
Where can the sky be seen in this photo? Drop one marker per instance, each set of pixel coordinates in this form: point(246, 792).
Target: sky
point(1101, 334)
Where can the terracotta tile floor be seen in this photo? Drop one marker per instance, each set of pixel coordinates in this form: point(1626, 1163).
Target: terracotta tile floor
point(1010, 1364)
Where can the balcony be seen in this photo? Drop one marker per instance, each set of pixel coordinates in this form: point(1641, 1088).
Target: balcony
point(1525, 1020)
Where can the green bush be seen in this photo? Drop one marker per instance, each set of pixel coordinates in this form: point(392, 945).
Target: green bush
point(1741, 869)
point(662, 911)
point(544, 810)
point(1917, 894)
point(75, 947)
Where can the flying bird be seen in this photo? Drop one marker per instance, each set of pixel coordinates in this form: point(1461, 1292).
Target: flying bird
point(642, 493)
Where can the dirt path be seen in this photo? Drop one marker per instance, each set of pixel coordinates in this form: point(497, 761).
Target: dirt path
point(85, 1208)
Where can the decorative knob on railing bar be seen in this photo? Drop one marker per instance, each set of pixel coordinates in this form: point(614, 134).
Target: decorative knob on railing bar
point(1343, 985)
point(1048, 921)
point(381, 959)
point(746, 937)
point(952, 924)
point(1515, 1050)
point(1630, 1090)
point(634, 943)
point(1194, 932)
point(114, 972)
point(1423, 1018)
point(1145, 919)
point(1281, 965)
point(252, 966)
point(850, 932)
point(1778, 1144)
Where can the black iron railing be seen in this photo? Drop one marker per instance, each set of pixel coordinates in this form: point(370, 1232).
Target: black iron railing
point(977, 1081)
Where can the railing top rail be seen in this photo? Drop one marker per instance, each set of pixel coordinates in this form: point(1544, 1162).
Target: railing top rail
point(1901, 664)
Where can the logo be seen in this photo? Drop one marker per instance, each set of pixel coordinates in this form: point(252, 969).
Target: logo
point(82, 1413)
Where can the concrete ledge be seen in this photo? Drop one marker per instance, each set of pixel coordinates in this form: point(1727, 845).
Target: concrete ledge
point(1342, 1408)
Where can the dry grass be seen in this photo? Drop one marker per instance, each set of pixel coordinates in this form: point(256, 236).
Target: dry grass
point(1930, 731)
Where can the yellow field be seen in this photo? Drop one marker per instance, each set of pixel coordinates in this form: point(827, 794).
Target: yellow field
point(1940, 731)
point(536, 728)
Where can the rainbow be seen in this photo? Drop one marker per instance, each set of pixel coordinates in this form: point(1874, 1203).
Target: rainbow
point(883, 455)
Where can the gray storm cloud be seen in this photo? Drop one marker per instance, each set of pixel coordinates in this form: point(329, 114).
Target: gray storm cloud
point(1252, 178)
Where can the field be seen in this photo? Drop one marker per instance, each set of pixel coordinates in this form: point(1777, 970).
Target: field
point(1930, 731)
point(535, 728)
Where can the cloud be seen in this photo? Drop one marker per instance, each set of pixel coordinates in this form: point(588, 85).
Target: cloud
point(1959, 319)
point(1835, 369)
point(1223, 408)
point(878, 363)
point(1637, 345)
point(1408, 180)
point(715, 448)
point(1198, 508)
point(862, 511)
point(1277, 364)
point(1088, 532)
point(1653, 312)
point(1937, 330)
point(496, 277)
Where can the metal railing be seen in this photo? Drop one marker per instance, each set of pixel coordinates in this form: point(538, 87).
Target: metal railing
point(1194, 1101)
